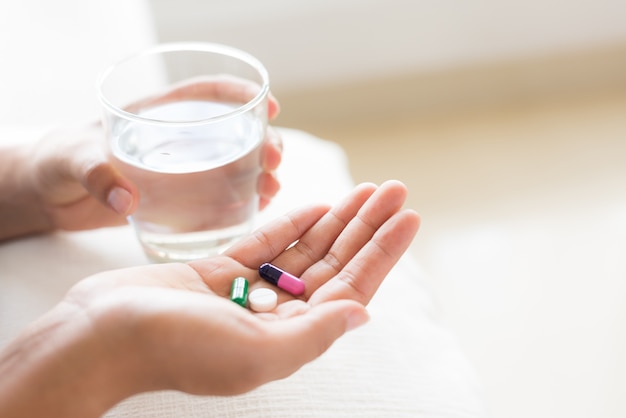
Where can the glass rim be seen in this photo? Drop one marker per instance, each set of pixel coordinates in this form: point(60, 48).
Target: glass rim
point(182, 47)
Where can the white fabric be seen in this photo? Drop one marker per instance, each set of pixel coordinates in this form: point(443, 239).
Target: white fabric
point(402, 364)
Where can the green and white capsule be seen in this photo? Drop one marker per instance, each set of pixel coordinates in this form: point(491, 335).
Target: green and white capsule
point(239, 291)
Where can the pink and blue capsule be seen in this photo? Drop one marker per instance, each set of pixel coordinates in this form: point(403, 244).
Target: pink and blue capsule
point(288, 282)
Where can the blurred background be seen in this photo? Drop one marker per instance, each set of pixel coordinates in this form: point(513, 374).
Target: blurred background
point(507, 121)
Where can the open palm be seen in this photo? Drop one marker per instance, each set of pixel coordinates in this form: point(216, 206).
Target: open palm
point(189, 336)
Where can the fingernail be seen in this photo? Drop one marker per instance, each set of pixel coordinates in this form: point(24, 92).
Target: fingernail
point(120, 200)
point(356, 319)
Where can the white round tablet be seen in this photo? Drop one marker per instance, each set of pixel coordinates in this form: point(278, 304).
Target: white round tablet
point(262, 300)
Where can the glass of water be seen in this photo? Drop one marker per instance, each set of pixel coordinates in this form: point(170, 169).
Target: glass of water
point(186, 123)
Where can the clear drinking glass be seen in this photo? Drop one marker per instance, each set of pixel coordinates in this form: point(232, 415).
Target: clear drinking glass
point(186, 123)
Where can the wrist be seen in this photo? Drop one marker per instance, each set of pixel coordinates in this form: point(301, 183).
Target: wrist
point(62, 365)
point(21, 209)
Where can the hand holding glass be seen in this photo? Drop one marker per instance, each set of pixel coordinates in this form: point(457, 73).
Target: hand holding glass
point(186, 124)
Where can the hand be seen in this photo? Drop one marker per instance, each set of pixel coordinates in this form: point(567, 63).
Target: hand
point(342, 255)
point(226, 88)
point(172, 326)
point(81, 190)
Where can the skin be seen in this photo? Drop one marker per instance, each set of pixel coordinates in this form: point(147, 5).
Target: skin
point(64, 181)
point(172, 326)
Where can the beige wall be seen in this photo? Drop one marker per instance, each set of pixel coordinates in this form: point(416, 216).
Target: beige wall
point(308, 44)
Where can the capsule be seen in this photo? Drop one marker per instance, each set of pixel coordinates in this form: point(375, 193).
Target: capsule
point(239, 291)
point(282, 279)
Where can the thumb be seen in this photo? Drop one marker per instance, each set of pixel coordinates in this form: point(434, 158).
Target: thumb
point(104, 182)
point(109, 187)
point(307, 336)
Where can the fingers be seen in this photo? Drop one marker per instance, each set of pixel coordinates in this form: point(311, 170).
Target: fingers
point(73, 163)
point(104, 183)
point(348, 253)
point(343, 253)
point(267, 242)
point(107, 185)
point(220, 88)
point(272, 150)
point(92, 169)
point(223, 88)
point(268, 184)
point(121, 201)
point(267, 187)
point(316, 242)
point(383, 204)
point(330, 245)
point(363, 274)
point(273, 107)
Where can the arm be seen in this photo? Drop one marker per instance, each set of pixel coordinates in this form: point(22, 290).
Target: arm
point(58, 368)
point(172, 326)
point(21, 209)
point(64, 180)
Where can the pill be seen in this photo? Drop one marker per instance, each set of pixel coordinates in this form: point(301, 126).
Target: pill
point(263, 300)
point(282, 279)
point(239, 291)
